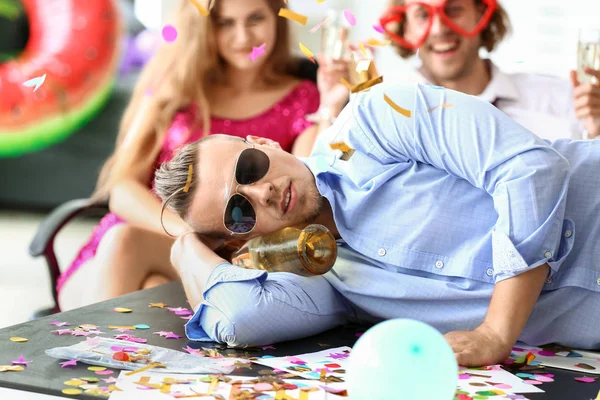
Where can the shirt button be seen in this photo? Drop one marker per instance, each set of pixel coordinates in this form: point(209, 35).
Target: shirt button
point(548, 281)
point(598, 281)
point(489, 272)
point(381, 252)
point(547, 254)
point(439, 264)
point(568, 233)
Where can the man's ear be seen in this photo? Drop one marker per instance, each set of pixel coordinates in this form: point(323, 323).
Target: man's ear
point(263, 141)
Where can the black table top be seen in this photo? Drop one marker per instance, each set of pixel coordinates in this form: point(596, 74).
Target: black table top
point(44, 374)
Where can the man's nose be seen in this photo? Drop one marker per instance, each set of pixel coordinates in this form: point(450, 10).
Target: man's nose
point(437, 25)
point(262, 193)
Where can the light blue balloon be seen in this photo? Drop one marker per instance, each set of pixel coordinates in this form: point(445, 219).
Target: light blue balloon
point(402, 359)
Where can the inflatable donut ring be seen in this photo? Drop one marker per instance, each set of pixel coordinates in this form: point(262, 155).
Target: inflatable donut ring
point(76, 44)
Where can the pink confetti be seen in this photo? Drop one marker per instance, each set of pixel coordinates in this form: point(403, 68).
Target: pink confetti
point(172, 335)
point(268, 347)
point(105, 372)
point(178, 309)
point(350, 17)
point(546, 353)
point(112, 379)
point(331, 390)
point(263, 387)
point(256, 52)
point(184, 313)
point(21, 361)
point(92, 341)
point(169, 33)
point(63, 332)
point(59, 324)
point(542, 378)
point(70, 363)
point(464, 376)
point(317, 26)
point(585, 379)
point(502, 386)
point(532, 382)
point(378, 28)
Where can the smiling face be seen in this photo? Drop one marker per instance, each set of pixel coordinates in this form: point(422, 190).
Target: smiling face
point(445, 54)
point(242, 25)
point(287, 195)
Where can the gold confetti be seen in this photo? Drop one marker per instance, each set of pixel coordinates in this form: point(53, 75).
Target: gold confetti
point(121, 327)
point(309, 54)
point(378, 43)
point(146, 368)
point(11, 368)
point(396, 107)
point(72, 392)
point(123, 310)
point(201, 9)
point(362, 48)
point(289, 14)
point(366, 85)
point(343, 147)
point(158, 305)
point(444, 105)
point(18, 339)
point(345, 82)
point(74, 382)
point(96, 369)
point(188, 182)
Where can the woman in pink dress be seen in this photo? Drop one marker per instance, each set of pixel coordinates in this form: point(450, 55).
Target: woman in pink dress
point(230, 72)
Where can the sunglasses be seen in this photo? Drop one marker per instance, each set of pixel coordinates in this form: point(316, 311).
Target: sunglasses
point(251, 166)
point(420, 17)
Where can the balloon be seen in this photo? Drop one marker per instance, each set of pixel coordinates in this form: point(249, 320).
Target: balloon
point(402, 359)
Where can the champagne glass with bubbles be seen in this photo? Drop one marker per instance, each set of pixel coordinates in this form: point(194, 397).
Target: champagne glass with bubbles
point(588, 53)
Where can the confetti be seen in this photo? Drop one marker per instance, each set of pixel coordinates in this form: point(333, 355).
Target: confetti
point(585, 379)
point(111, 379)
point(157, 305)
point(123, 310)
point(37, 82)
point(21, 361)
point(362, 48)
point(142, 326)
point(18, 339)
point(378, 29)
point(59, 324)
point(72, 392)
point(256, 52)
point(89, 379)
point(268, 347)
point(105, 372)
point(299, 18)
point(378, 43)
point(585, 366)
point(117, 327)
point(74, 382)
point(63, 331)
point(396, 107)
point(444, 105)
point(201, 9)
point(96, 368)
point(345, 82)
point(169, 33)
point(343, 147)
point(11, 368)
point(366, 85)
point(319, 25)
point(350, 17)
point(70, 363)
point(309, 54)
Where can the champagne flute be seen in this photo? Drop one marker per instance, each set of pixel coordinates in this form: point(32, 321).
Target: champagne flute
point(588, 53)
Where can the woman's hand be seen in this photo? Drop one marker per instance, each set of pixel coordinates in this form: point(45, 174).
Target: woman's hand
point(334, 94)
point(479, 347)
point(192, 249)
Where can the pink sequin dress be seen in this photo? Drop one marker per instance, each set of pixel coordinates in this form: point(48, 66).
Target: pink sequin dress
point(283, 123)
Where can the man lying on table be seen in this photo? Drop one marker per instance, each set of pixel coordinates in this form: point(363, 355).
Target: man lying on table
point(453, 215)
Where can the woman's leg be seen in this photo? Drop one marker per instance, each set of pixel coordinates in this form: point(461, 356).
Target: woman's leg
point(127, 259)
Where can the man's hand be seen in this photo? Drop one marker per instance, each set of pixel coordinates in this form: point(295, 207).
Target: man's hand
point(587, 101)
point(478, 347)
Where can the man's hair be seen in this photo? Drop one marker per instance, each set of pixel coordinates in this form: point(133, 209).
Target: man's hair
point(498, 27)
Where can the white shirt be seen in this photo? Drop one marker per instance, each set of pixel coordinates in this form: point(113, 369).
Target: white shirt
point(542, 104)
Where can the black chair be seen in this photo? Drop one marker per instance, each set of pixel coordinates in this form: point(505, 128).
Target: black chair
point(43, 241)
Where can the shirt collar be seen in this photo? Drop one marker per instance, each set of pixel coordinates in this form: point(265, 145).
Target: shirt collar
point(501, 86)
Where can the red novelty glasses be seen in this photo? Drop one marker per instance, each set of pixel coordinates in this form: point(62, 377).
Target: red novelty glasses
point(418, 17)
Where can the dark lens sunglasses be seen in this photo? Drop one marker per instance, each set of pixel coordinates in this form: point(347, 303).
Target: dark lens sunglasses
point(251, 166)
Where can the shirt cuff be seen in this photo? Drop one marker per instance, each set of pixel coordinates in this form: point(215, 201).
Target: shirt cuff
point(216, 327)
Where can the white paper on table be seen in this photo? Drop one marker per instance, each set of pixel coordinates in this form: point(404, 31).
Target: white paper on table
point(129, 389)
point(314, 361)
point(562, 362)
point(498, 376)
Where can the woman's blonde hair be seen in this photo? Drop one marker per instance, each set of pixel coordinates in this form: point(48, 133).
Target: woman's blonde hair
point(176, 77)
point(491, 35)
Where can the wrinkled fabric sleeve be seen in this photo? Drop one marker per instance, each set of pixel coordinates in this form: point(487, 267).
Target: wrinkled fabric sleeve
point(471, 139)
point(245, 307)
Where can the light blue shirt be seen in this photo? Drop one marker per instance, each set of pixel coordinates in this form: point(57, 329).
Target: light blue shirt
point(434, 209)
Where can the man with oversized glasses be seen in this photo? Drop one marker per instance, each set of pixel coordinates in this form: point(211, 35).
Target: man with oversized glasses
point(448, 35)
point(446, 211)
